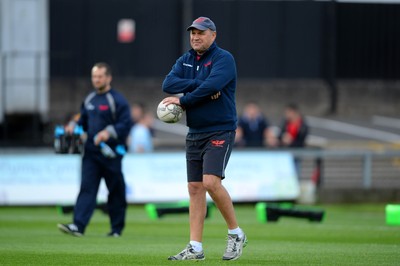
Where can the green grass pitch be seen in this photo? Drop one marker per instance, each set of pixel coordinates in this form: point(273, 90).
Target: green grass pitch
point(350, 235)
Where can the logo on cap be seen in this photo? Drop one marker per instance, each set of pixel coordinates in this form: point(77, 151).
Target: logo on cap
point(202, 23)
point(199, 20)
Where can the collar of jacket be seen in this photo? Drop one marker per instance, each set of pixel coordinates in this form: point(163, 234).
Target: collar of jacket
point(209, 50)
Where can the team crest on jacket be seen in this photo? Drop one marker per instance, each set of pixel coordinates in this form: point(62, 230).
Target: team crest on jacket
point(207, 64)
point(103, 107)
point(217, 143)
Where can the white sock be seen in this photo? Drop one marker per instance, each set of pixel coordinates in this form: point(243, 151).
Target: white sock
point(197, 246)
point(237, 231)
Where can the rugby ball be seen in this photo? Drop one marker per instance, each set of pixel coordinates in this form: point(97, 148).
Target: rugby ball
point(170, 113)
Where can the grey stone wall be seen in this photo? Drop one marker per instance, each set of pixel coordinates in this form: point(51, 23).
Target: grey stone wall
point(355, 98)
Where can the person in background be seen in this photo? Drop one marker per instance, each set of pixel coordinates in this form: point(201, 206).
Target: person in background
point(106, 119)
point(137, 112)
point(294, 129)
point(293, 133)
point(252, 128)
point(140, 138)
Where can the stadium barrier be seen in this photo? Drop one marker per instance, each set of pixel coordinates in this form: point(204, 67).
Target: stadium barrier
point(36, 179)
point(366, 157)
point(45, 178)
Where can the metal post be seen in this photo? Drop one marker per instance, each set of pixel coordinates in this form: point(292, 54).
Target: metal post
point(37, 97)
point(319, 164)
point(367, 170)
point(4, 95)
point(331, 75)
point(187, 18)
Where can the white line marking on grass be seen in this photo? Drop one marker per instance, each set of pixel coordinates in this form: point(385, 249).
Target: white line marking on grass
point(353, 129)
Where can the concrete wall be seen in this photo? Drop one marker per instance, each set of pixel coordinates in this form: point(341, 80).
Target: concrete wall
point(355, 98)
point(360, 98)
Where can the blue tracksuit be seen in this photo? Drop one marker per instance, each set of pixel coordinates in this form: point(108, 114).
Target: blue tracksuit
point(103, 111)
point(199, 79)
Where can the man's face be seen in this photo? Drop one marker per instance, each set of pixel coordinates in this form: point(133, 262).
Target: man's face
point(136, 112)
point(290, 114)
point(201, 40)
point(100, 80)
point(252, 111)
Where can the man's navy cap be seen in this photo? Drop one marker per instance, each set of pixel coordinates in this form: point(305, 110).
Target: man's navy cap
point(202, 23)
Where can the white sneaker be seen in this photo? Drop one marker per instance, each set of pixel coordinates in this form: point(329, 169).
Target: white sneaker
point(188, 254)
point(70, 229)
point(234, 247)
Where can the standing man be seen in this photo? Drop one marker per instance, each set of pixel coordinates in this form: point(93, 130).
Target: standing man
point(253, 127)
point(207, 76)
point(105, 117)
point(294, 129)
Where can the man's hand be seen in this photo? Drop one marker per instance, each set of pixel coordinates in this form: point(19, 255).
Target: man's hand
point(69, 129)
point(102, 136)
point(215, 96)
point(171, 100)
point(287, 139)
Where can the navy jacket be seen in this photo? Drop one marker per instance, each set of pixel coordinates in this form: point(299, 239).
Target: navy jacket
point(253, 131)
point(198, 80)
point(105, 111)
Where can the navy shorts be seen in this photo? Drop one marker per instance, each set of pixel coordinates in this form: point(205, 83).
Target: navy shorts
point(208, 153)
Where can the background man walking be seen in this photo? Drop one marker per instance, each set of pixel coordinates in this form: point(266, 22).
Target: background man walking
point(105, 117)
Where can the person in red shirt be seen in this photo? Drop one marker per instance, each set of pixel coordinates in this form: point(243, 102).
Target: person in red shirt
point(294, 129)
point(293, 133)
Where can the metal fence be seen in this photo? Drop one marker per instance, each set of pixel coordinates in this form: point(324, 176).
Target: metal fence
point(349, 168)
